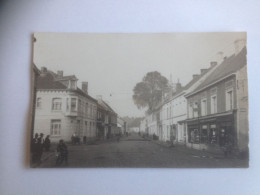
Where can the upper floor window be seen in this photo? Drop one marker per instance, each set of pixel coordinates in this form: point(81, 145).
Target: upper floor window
point(80, 106)
point(55, 127)
point(56, 104)
point(229, 100)
point(39, 103)
point(195, 109)
point(213, 104)
point(190, 110)
point(73, 104)
point(203, 107)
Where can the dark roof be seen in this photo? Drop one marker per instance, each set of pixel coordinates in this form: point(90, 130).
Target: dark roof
point(47, 81)
point(69, 77)
point(230, 65)
point(79, 91)
point(105, 106)
point(187, 86)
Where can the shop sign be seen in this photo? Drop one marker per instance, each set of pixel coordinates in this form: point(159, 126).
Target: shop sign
point(213, 126)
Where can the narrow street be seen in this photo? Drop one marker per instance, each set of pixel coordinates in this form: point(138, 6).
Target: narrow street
point(134, 151)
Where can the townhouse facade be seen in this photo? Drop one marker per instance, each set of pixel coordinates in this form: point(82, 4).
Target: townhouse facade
point(62, 109)
point(218, 107)
point(211, 110)
point(106, 120)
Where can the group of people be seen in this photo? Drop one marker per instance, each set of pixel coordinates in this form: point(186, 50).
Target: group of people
point(38, 145)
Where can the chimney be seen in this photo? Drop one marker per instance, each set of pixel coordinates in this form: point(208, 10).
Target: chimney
point(43, 69)
point(84, 87)
point(178, 86)
point(212, 64)
point(203, 70)
point(60, 74)
point(220, 55)
point(195, 76)
point(239, 45)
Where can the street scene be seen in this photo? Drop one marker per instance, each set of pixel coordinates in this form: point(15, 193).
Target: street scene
point(137, 101)
point(135, 151)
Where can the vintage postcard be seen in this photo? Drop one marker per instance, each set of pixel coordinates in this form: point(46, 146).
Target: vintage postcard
point(158, 100)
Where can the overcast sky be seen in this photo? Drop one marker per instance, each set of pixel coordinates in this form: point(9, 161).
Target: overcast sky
point(113, 63)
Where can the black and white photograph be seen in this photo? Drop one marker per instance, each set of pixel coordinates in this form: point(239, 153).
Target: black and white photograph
point(139, 100)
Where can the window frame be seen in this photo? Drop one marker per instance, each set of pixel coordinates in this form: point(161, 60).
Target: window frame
point(56, 106)
point(55, 122)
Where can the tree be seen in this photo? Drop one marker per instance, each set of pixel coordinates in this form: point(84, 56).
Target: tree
point(148, 93)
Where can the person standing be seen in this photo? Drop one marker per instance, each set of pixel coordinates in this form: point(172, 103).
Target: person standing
point(34, 148)
point(40, 148)
point(47, 143)
point(62, 153)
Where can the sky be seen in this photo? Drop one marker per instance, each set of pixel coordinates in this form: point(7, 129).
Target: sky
point(113, 63)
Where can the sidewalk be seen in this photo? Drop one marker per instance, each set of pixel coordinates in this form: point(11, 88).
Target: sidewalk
point(191, 151)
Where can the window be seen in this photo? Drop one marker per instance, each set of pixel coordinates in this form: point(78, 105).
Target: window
point(91, 110)
point(56, 104)
point(79, 109)
point(203, 107)
point(73, 104)
point(72, 84)
point(86, 109)
point(55, 127)
point(67, 104)
point(229, 100)
point(213, 104)
point(190, 110)
point(39, 103)
point(195, 109)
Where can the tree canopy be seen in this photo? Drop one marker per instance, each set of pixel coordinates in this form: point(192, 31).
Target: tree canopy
point(148, 92)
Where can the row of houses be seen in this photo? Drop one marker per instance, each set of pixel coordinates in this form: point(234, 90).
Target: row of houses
point(62, 109)
point(210, 111)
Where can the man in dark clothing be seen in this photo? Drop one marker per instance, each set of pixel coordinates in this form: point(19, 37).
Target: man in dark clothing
point(47, 143)
point(39, 147)
point(34, 148)
point(62, 153)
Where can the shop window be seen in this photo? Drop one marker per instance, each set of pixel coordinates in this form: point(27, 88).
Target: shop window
point(56, 104)
point(213, 134)
point(204, 134)
point(55, 127)
point(194, 136)
point(213, 104)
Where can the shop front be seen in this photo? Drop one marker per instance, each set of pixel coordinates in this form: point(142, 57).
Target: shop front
point(211, 132)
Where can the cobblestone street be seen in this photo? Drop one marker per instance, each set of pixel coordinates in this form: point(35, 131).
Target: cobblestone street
point(134, 151)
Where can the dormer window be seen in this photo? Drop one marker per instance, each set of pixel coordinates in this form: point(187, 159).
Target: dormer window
point(72, 84)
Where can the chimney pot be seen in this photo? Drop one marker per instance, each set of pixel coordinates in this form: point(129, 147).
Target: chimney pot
point(60, 73)
point(212, 64)
point(84, 87)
